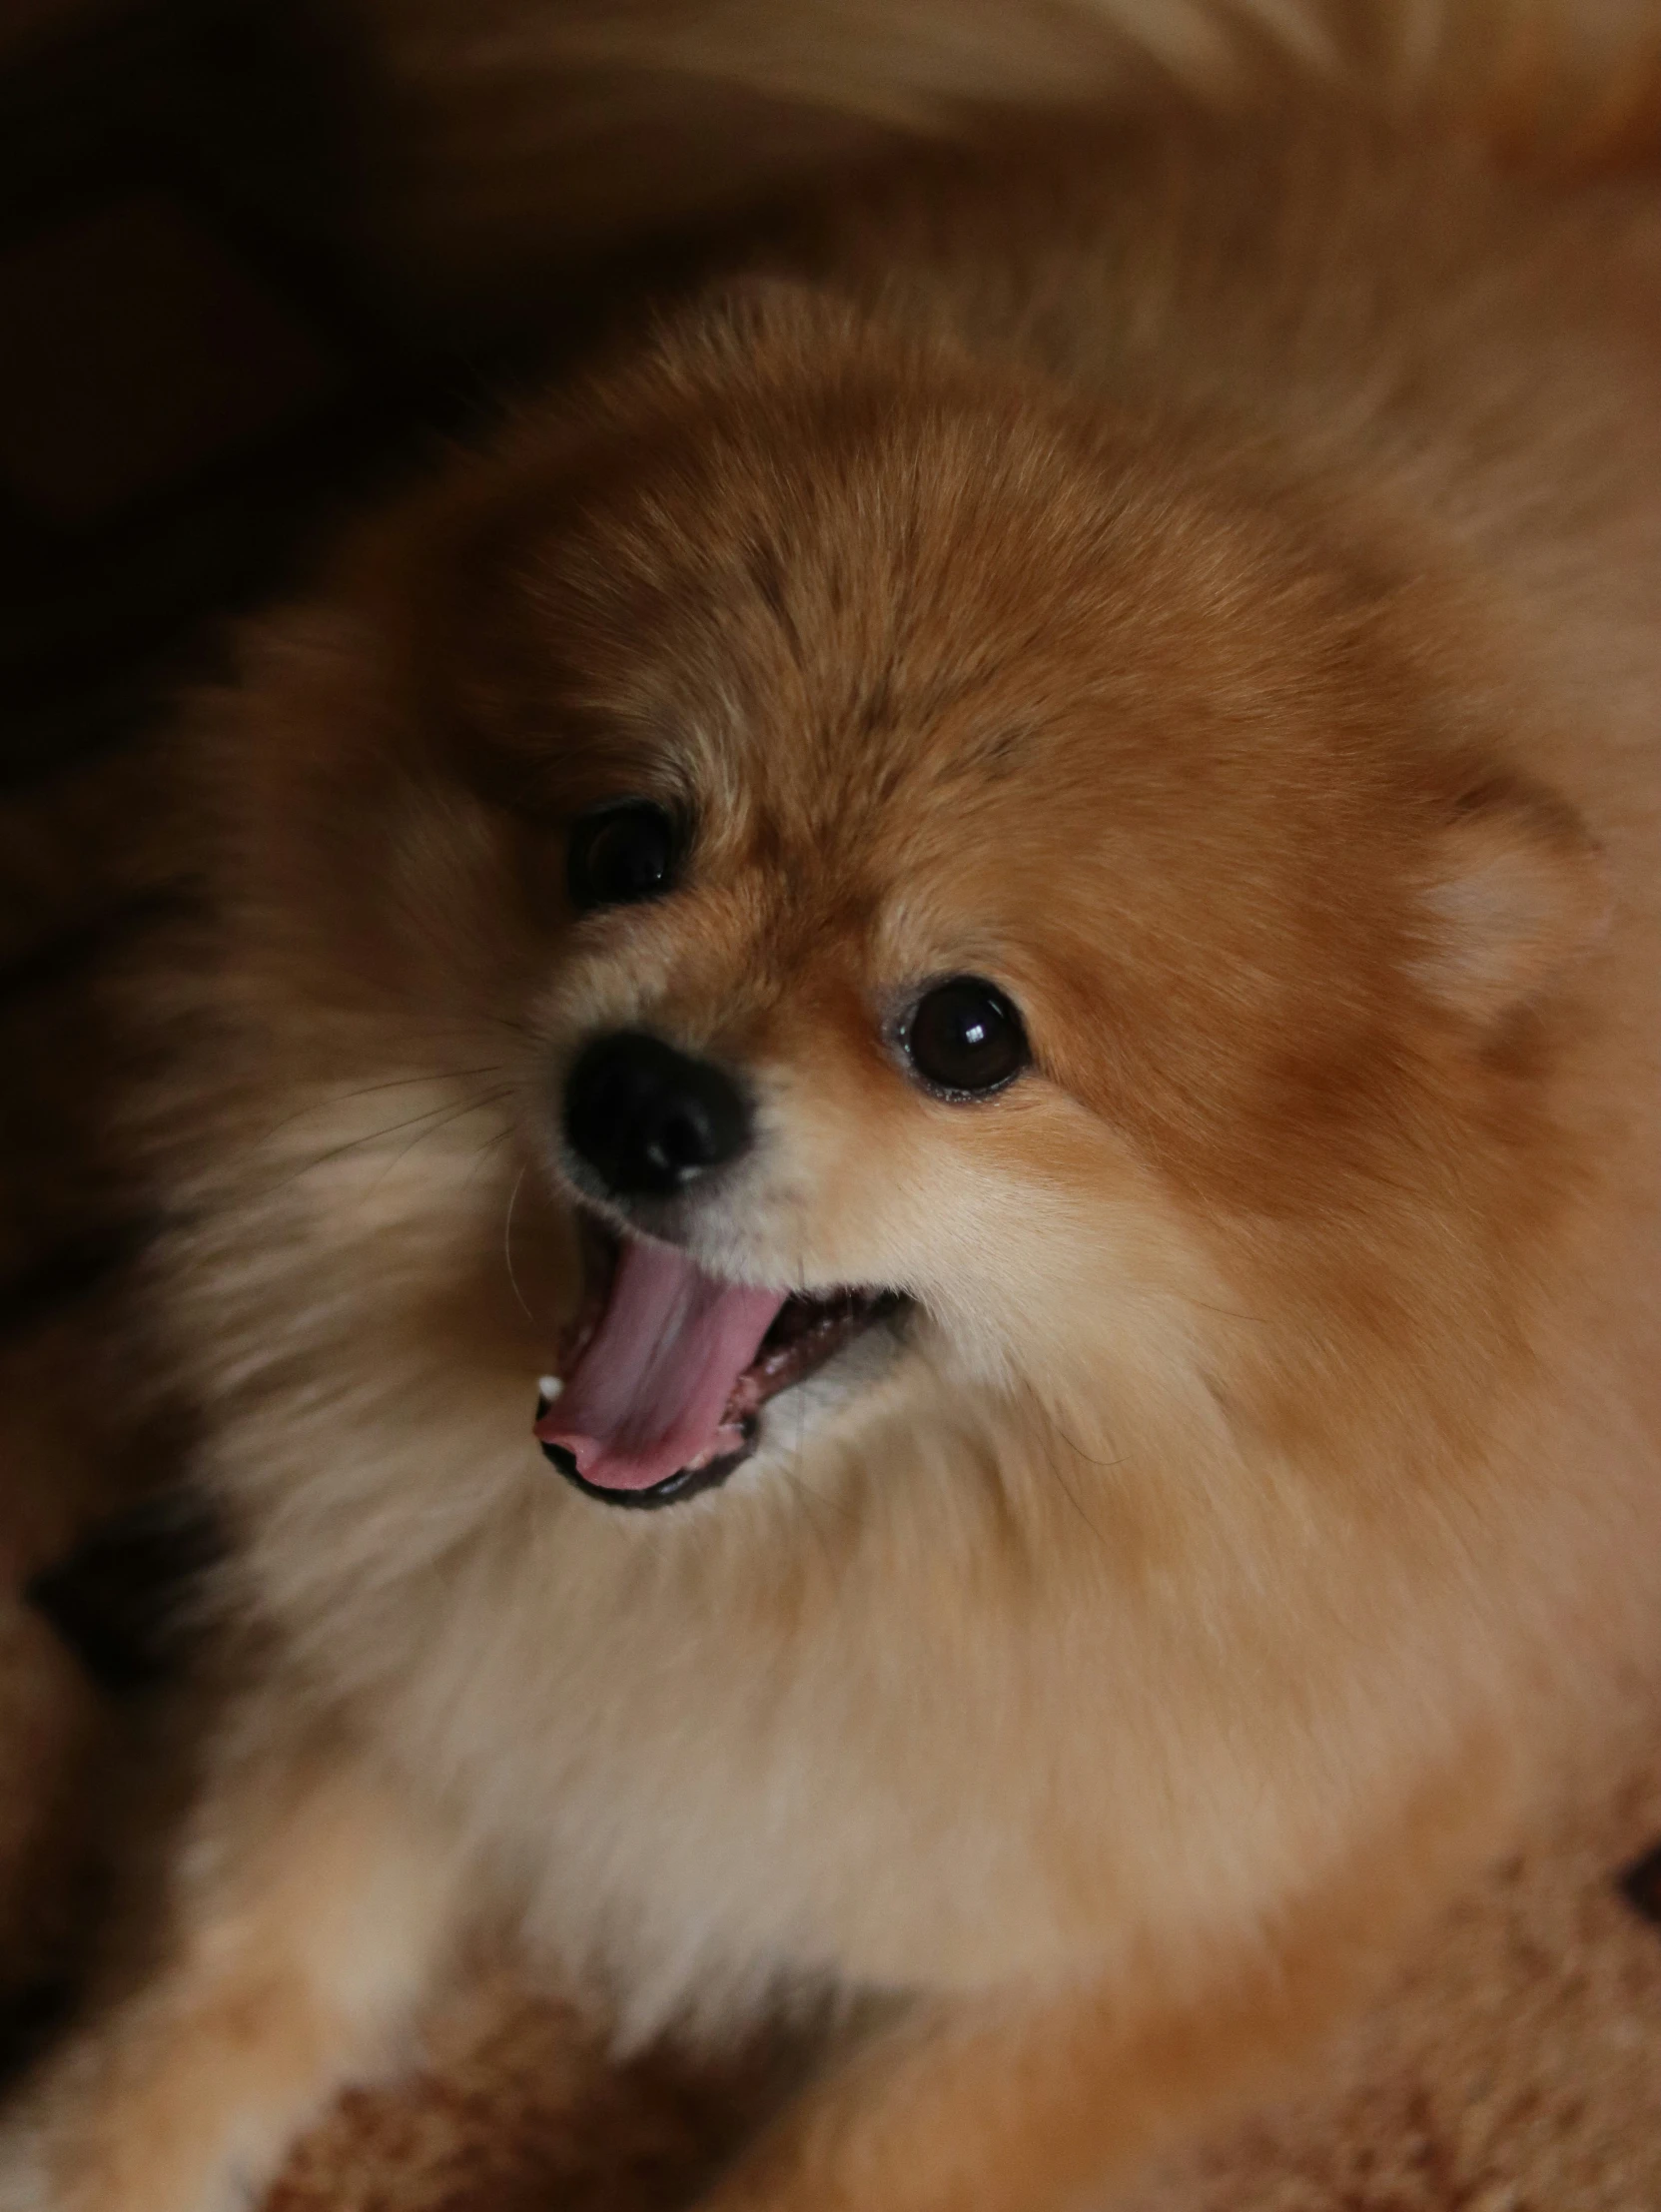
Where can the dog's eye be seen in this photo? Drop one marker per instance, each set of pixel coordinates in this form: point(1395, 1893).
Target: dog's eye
point(965, 1039)
point(622, 854)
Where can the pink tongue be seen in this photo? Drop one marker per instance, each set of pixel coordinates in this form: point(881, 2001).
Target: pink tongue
point(646, 1395)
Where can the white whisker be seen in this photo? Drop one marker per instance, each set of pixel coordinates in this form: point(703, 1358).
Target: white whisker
point(508, 1245)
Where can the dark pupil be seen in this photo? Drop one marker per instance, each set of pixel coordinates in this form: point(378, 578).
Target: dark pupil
point(621, 856)
point(965, 1036)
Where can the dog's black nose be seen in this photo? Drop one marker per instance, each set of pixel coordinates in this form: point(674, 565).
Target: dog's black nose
point(650, 1119)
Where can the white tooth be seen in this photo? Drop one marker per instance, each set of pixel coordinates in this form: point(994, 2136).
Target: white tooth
point(551, 1386)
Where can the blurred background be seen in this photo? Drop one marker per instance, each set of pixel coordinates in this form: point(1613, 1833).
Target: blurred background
point(196, 371)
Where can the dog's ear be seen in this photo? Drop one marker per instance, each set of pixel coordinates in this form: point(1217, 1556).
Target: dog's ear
point(755, 306)
point(753, 318)
point(759, 297)
point(1517, 893)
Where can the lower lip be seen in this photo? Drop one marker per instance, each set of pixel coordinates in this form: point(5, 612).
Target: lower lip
point(688, 1483)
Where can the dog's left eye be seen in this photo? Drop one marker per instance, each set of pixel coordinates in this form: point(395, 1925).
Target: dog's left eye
point(965, 1039)
point(620, 855)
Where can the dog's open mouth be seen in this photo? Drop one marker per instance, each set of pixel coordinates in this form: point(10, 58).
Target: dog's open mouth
point(663, 1373)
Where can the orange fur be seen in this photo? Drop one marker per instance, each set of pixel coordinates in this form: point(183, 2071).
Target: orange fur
point(1201, 573)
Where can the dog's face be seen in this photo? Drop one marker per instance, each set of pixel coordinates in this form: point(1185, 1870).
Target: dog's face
point(974, 888)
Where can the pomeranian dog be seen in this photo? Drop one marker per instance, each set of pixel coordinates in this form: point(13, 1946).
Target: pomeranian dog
point(915, 1163)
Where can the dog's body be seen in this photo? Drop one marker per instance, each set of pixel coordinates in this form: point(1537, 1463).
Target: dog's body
point(1203, 579)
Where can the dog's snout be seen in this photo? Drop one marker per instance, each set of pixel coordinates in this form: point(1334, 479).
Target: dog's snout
point(648, 1120)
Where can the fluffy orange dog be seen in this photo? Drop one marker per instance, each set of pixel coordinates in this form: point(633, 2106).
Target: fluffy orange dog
point(988, 922)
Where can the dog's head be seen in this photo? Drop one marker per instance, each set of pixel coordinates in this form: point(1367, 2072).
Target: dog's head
point(973, 885)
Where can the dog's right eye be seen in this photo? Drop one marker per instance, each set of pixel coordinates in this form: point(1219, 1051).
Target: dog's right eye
point(620, 855)
point(964, 1039)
